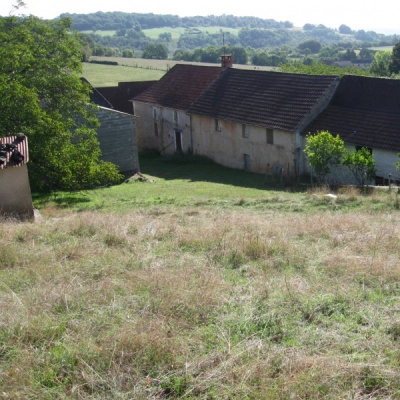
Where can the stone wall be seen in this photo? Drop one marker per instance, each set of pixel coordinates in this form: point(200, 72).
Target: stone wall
point(117, 137)
point(228, 145)
point(15, 198)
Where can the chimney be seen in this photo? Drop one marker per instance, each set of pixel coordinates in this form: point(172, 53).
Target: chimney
point(226, 61)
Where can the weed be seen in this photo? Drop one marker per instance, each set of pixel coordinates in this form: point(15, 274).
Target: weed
point(192, 296)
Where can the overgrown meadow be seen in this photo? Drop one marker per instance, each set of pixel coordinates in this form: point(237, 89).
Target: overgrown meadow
point(202, 282)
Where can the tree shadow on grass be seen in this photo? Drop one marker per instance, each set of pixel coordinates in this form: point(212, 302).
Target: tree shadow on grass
point(61, 200)
point(201, 169)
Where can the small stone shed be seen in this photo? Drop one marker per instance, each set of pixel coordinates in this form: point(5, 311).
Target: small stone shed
point(15, 191)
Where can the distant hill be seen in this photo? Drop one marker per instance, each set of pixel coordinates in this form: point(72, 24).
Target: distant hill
point(110, 33)
point(103, 21)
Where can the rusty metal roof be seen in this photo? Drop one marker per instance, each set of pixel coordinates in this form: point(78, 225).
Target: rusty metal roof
point(10, 145)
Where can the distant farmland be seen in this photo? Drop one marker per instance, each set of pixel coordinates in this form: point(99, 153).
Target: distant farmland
point(135, 70)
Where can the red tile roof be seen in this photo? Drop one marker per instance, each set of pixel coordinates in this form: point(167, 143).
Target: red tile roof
point(180, 86)
point(364, 111)
point(21, 145)
point(263, 98)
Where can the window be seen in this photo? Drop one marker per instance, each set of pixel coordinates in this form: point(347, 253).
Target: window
point(176, 116)
point(178, 140)
point(217, 125)
point(270, 136)
point(245, 131)
point(155, 114)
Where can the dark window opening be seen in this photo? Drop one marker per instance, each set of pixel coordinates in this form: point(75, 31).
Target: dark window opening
point(270, 136)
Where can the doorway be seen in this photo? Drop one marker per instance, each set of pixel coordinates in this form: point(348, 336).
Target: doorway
point(178, 140)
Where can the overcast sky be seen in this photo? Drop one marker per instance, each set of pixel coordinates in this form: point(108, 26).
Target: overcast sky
point(366, 14)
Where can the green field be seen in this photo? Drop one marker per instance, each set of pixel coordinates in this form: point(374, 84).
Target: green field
point(100, 33)
point(177, 32)
point(136, 69)
point(382, 48)
point(109, 75)
point(202, 283)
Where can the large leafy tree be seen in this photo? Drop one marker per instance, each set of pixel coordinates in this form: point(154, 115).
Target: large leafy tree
point(43, 96)
point(155, 51)
point(361, 163)
point(324, 151)
point(380, 63)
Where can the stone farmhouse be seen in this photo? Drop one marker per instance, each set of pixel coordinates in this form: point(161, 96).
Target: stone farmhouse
point(161, 119)
point(257, 120)
point(253, 119)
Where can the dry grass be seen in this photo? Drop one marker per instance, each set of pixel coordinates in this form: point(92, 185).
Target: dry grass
point(171, 302)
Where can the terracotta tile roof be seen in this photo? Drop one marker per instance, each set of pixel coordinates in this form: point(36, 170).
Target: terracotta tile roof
point(8, 145)
point(263, 98)
point(364, 111)
point(180, 86)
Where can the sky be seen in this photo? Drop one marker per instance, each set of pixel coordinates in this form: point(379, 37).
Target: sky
point(366, 14)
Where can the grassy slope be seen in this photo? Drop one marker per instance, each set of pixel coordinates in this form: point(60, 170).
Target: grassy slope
point(202, 283)
point(135, 69)
point(107, 75)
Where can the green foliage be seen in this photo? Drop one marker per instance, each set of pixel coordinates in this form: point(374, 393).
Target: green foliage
point(348, 55)
point(212, 54)
point(380, 63)
point(394, 63)
point(344, 29)
point(127, 53)
point(263, 58)
point(324, 151)
point(104, 62)
point(365, 54)
point(43, 96)
point(320, 68)
point(361, 163)
point(155, 51)
point(165, 36)
point(313, 45)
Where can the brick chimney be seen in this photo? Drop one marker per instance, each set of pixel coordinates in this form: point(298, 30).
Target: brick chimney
point(226, 61)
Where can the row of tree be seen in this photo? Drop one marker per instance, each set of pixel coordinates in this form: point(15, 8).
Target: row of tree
point(384, 64)
point(120, 20)
point(190, 39)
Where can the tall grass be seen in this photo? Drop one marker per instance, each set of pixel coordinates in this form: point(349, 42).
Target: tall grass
point(235, 298)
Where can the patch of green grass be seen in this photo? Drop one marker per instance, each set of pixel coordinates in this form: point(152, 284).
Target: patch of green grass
point(108, 75)
point(201, 282)
point(185, 180)
point(101, 33)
